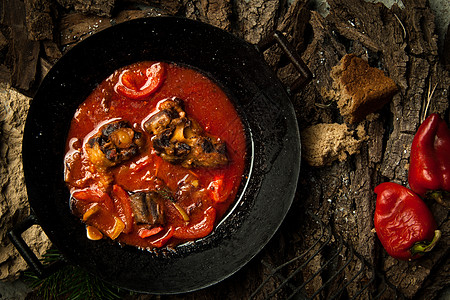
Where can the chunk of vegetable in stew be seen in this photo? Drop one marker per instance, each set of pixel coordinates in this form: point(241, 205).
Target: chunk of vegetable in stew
point(159, 171)
point(140, 83)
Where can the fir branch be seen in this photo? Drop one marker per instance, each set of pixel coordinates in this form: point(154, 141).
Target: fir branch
point(71, 283)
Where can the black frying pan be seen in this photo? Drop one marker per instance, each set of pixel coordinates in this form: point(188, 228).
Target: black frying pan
point(273, 158)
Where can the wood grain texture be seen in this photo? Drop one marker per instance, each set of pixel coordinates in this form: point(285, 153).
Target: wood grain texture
point(399, 41)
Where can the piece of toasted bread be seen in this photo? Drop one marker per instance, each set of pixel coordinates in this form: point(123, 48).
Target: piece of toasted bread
point(324, 143)
point(360, 89)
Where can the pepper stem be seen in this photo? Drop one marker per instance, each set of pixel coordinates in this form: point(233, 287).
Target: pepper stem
point(422, 247)
point(441, 197)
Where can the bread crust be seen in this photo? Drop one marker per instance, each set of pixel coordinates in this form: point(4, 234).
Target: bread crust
point(360, 89)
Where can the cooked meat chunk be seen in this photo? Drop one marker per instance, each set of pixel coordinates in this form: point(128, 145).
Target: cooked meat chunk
point(168, 110)
point(179, 139)
point(114, 143)
point(207, 153)
point(148, 208)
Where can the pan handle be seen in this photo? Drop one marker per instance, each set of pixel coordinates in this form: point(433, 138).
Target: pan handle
point(15, 235)
point(279, 38)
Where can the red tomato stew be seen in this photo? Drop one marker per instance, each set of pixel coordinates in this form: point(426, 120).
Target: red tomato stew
point(154, 156)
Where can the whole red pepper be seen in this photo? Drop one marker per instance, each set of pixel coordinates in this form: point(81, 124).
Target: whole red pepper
point(429, 169)
point(403, 222)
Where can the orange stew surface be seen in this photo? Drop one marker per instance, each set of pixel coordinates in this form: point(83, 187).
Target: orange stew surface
point(134, 192)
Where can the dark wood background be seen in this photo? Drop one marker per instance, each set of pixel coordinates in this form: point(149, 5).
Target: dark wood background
point(400, 41)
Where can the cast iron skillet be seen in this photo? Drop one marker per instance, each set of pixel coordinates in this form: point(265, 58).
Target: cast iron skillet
point(273, 153)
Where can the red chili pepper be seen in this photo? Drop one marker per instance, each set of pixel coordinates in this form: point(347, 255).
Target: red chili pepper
point(140, 84)
point(429, 168)
point(122, 203)
point(403, 222)
point(200, 229)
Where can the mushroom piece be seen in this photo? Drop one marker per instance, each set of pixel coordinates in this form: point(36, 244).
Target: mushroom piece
point(114, 143)
point(179, 139)
point(148, 208)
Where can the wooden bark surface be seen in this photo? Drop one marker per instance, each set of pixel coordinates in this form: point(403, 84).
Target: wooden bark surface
point(401, 42)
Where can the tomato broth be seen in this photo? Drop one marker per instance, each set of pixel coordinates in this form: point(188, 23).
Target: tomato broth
point(190, 199)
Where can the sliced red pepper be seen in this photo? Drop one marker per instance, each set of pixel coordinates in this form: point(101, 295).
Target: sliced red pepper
point(88, 195)
point(108, 202)
point(216, 189)
point(403, 222)
point(140, 164)
point(140, 84)
point(429, 169)
point(122, 203)
point(145, 232)
point(94, 195)
point(160, 240)
point(200, 229)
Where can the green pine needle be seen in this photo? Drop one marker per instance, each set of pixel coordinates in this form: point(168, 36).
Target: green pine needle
point(166, 193)
point(71, 283)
